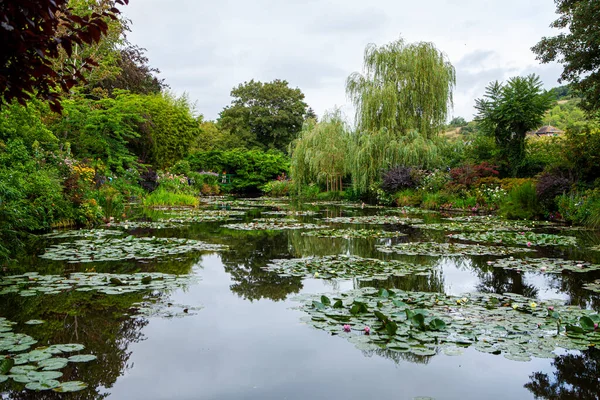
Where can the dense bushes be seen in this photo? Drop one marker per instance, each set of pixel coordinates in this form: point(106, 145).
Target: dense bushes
point(251, 169)
point(399, 178)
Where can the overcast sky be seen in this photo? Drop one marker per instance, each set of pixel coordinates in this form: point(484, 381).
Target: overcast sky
point(207, 47)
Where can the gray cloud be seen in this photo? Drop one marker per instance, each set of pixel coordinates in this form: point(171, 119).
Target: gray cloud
point(206, 48)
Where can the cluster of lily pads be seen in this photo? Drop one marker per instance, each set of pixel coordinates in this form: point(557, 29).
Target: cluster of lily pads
point(32, 283)
point(423, 323)
point(449, 249)
point(518, 238)
point(375, 220)
point(544, 265)
point(39, 368)
point(342, 266)
point(480, 226)
point(410, 210)
point(266, 224)
point(291, 213)
point(83, 233)
point(354, 233)
point(128, 248)
point(593, 286)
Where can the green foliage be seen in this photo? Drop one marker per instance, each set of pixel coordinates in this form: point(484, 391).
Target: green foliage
point(578, 49)
point(264, 115)
point(457, 122)
point(162, 197)
point(25, 123)
point(250, 169)
point(320, 155)
point(581, 208)
point(277, 188)
point(521, 203)
point(565, 115)
point(379, 151)
point(507, 112)
point(405, 87)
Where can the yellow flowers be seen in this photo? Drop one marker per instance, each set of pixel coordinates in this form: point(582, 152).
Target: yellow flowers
point(316, 274)
point(515, 306)
point(533, 305)
point(464, 300)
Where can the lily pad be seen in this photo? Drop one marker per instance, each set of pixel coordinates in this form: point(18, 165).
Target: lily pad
point(544, 265)
point(353, 233)
point(82, 358)
point(273, 225)
point(449, 249)
point(73, 386)
point(375, 220)
point(342, 266)
point(43, 385)
point(518, 238)
point(34, 322)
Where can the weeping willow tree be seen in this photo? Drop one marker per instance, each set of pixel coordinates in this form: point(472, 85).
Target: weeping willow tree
point(320, 154)
point(401, 100)
point(377, 152)
point(404, 87)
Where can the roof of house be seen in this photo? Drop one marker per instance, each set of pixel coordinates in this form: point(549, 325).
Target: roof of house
point(548, 129)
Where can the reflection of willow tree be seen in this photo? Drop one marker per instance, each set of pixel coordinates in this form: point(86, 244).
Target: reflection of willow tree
point(500, 280)
point(304, 246)
point(250, 252)
point(575, 377)
point(432, 283)
point(397, 357)
point(100, 322)
point(572, 284)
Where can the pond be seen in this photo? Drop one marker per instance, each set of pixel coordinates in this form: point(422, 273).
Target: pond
point(265, 299)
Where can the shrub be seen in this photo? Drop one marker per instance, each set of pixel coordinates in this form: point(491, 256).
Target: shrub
point(551, 185)
point(161, 197)
point(521, 203)
point(398, 178)
point(468, 175)
point(435, 181)
point(148, 180)
point(581, 208)
point(277, 188)
point(407, 197)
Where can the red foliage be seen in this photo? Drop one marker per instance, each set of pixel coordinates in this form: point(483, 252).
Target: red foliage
point(32, 32)
point(468, 175)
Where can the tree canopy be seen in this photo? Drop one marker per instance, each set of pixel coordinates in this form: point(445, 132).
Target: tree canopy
point(578, 49)
point(265, 115)
point(404, 87)
point(508, 111)
point(33, 34)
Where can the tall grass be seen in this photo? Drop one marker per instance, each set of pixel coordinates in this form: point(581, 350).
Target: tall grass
point(522, 203)
point(162, 197)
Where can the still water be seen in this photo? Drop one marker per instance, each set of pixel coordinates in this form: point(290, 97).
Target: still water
point(246, 339)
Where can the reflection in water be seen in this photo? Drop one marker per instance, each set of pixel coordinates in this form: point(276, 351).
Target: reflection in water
point(432, 283)
point(499, 280)
point(245, 262)
point(398, 357)
point(576, 376)
point(100, 322)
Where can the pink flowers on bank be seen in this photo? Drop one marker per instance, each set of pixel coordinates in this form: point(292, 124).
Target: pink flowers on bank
point(347, 328)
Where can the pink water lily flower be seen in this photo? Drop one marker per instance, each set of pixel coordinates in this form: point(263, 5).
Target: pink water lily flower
point(595, 326)
point(551, 308)
point(528, 244)
point(347, 328)
point(367, 330)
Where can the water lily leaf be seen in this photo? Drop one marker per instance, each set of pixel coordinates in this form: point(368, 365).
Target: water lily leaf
point(73, 386)
point(3, 378)
point(338, 304)
point(325, 300)
point(437, 324)
point(68, 348)
point(587, 323)
point(20, 378)
point(53, 364)
point(82, 358)
point(42, 385)
point(318, 305)
point(35, 322)
point(38, 355)
point(41, 376)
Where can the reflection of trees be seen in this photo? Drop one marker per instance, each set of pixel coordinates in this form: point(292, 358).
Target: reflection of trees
point(397, 357)
point(432, 283)
point(500, 280)
point(575, 377)
point(250, 252)
point(572, 283)
point(100, 322)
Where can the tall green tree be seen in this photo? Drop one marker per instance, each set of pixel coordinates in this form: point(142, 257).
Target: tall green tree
point(320, 155)
point(265, 115)
point(404, 87)
point(577, 48)
point(508, 111)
